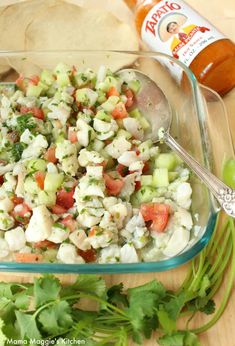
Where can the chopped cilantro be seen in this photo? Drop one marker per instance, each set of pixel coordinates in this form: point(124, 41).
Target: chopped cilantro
point(17, 150)
point(24, 122)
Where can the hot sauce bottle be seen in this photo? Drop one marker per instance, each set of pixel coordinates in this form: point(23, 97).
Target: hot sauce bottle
point(174, 28)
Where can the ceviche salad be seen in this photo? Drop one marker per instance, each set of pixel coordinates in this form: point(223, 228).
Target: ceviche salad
point(78, 181)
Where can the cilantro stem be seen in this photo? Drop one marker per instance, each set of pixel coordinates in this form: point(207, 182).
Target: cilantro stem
point(223, 264)
point(228, 289)
point(221, 253)
point(218, 238)
point(211, 242)
point(99, 300)
point(42, 308)
point(197, 277)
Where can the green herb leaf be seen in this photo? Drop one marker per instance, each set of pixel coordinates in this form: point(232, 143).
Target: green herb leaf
point(22, 301)
point(167, 324)
point(143, 301)
point(91, 284)
point(115, 295)
point(3, 337)
point(46, 289)
point(28, 326)
point(182, 338)
point(57, 318)
point(209, 308)
point(7, 310)
point(6, 290)
point(175, 305)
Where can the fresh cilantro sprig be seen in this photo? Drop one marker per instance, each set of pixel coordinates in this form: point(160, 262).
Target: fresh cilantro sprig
point(47, 310)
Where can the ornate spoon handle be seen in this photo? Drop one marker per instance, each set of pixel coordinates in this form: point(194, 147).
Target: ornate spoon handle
point(224, 194)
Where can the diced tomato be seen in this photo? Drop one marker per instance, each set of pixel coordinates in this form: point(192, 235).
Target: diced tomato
point(69, 222)
point(72, 136)
point(21, 213)
point(112, 92)
point(37, 112)
point(157, 213)
point(28, 257)
point(65, 199)
point(40, 177)
point(50, 155)
point(73, 71)
point(57, 209)
point(122, 170)
point(88, 255)
point(34, 80)
point(103, 163)
point(145, 168)
point(44, 244)
point(137, 185)
point(92, 232)
point(20, 82)
point(113, 186)
point(17, 200)
point(119, 111)
point(130, 98)
point(1, 179)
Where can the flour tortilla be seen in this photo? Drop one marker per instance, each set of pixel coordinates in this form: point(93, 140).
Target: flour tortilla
point(14, 20)
point(69, 27)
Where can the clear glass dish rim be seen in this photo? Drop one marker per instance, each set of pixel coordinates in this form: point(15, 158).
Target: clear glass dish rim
point(164, 265)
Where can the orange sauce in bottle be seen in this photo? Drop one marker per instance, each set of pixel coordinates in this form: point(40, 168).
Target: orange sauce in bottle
point(212, 64)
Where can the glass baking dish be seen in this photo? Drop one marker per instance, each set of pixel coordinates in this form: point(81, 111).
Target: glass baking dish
point(199, 117)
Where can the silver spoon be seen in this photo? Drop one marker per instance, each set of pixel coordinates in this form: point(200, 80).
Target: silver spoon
point(153, 104)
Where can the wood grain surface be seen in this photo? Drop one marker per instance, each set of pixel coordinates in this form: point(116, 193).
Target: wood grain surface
point(222, 15)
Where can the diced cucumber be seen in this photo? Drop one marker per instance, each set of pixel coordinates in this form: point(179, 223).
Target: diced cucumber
point(31, 186)
point(160, 177)
point(172, 176)
point(53, 181)
point(124, 133)
point(146, 194)
point(33, 90)
point(98, 145)
point(51, 91)
point(110, 104)
point(146, 180)
point(135, 113)
point(44, 87)
point(50, 255)
point(134, 85)
point(144, 123)
point(81, 96)
point(36, 165)
point(177, 159)
point(166, 160)
point(47, 77)
point(47, 198)
point(80, 80)
point(109, 82)
point(101, 96)
point(103, 116)
point(63, 79)
point(62, 68)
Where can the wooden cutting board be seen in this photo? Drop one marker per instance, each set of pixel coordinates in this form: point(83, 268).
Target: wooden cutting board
point(222, 14)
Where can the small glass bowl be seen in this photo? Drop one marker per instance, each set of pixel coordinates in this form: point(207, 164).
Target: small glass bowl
point(199, 119)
